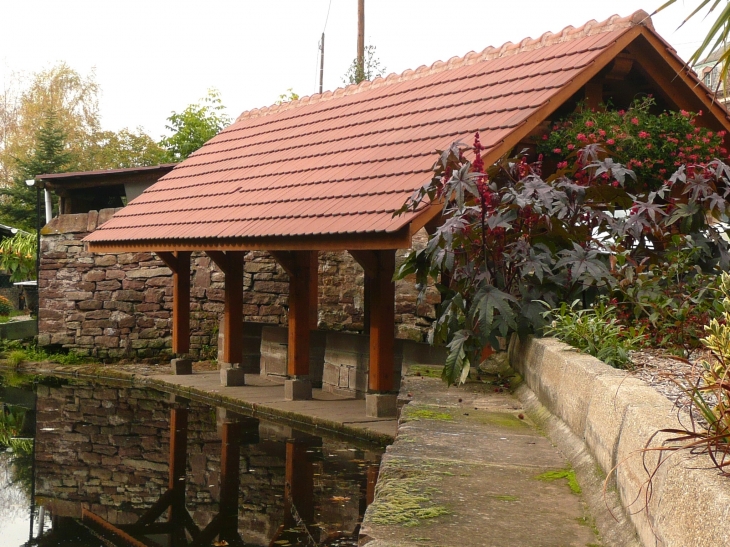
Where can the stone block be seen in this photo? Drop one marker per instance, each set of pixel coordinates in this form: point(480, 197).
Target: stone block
point(232, 375)
point(128, 296)
point(67, 224)
point(105, 260)
point(381, 405)
point(182, 366)
point(297, 389)
point(144, 273)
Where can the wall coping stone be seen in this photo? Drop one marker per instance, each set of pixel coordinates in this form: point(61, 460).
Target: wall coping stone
point(615, 416)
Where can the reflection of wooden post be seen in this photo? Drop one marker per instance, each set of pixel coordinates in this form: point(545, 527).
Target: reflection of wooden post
point(179, 263)
point(178, 461)
point(372, 478)
point(230, 467)
point(299, 489)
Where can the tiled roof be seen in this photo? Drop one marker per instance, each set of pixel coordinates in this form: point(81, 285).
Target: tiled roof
point(341, 163)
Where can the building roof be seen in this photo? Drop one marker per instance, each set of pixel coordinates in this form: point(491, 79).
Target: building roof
point(102, 177)
point(328, 171)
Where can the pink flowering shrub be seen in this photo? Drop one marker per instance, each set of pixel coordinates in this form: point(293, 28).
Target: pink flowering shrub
point(651, 145)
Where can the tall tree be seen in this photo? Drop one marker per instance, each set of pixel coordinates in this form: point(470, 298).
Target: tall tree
point(195, 126)
point(368, 70)
point(125, 148)
point(48, 154)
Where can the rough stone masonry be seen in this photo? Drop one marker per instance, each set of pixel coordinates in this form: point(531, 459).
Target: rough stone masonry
point(119, 305)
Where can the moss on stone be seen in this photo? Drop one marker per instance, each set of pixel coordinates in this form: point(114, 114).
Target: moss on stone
point(567, 474)
point(427, 414)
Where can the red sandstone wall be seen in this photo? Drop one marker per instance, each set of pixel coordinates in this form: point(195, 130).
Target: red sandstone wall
point(118, 305)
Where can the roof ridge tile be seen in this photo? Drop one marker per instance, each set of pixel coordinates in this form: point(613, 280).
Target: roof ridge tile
point(615, 22)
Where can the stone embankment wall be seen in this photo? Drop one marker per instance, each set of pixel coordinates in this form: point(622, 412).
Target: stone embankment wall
point(118, 305)
point(106, 449)
point(618, 417)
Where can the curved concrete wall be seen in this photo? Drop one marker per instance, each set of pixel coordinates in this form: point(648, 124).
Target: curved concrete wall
point(687, 502)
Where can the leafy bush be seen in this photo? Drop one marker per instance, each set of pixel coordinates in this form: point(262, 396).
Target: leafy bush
point(511, 238)
point(5, 306)
point(710, 396)
point(652, 145)
point(595, 331)
point(18, 256)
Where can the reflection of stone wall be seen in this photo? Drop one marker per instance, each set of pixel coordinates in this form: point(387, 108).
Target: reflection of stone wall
point(107, 449)
point(119, 304)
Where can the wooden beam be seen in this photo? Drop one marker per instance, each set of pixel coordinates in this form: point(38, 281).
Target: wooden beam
point(181, 303)
point(382, 325)
point(105, 529)
point(368, 260)
point(286, 260)
point(169, 258)
point(300, 318)
point(594, 94)
point(219, 258)
point(400, 239)
point(313, 289)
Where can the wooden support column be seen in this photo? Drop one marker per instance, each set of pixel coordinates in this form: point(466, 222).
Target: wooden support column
point(231, 263)
point(179, 263)
point(382, 324)
point(303, 289)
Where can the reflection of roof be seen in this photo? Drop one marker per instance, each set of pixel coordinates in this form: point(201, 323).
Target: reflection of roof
point(336, 166)
point(102, 177)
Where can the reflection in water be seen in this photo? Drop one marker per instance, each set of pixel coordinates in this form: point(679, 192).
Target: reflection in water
point(144, 468)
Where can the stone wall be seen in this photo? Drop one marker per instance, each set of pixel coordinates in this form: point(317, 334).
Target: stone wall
point(118, 305)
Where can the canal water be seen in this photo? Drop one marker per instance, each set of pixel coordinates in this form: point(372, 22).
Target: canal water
point(96, 464)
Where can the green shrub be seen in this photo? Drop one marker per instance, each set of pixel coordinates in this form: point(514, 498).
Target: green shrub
point(5, 306)
point(595, 331)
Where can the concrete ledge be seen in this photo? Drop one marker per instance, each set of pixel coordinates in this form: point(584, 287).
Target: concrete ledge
point(615, 416)
point(17, 330)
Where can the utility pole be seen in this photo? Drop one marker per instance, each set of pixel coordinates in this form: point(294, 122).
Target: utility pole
point(321, 63)
point(360, 40)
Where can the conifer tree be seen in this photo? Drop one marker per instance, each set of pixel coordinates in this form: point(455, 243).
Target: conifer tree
point(49, 155)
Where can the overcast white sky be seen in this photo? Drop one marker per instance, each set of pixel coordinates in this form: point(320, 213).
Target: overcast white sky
point(155, 56)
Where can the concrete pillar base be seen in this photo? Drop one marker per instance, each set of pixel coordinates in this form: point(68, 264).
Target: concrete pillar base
point(182, 366)
point(232, 375)
point(297, 389)
point(380, 405)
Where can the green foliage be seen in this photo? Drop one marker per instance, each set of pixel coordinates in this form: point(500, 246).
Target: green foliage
point(125, 148)
point(48, 155)
point(11, 424)
point(595, 331)
point(671, 300)
point(511, 238)
point(710, 395)
point(567, 474)
point(194, 126)
point(370, 70)
point(5, 306)
point(288, 96)
point(18, 256)
point(653, 145)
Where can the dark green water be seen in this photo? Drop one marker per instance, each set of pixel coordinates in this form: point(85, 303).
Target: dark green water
point(100, 459)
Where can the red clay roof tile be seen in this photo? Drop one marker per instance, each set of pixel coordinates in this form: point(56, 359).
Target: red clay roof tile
point(343, 162)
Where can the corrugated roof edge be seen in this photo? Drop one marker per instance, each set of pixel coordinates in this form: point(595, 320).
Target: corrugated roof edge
point(119, 171)
point(569, 33)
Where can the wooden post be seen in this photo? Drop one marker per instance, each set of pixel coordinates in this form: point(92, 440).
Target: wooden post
point(360, 72)
point(179, 263)
point(300, 320)
point(231, 263)
point(382, 324)
point(313, 289)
